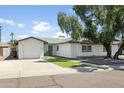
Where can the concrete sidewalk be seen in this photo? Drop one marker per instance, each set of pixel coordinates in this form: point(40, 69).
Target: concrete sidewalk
point(32, 67)
point(111, 79)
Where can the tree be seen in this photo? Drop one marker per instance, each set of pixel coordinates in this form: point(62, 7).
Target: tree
point(121, 32)
point(100, 23)
point(13, 44)
point(12, 36)
point(70, 25)
point(12, 41)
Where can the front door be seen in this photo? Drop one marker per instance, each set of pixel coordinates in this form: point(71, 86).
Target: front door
point(50, 50)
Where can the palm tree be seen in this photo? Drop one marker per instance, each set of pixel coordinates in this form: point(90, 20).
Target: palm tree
point(12, 36)
point(13, 44)
point(12, 41)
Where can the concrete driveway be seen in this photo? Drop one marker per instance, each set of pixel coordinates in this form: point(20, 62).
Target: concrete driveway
point(32, 67)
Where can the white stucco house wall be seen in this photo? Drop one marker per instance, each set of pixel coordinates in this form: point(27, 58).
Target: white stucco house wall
point(74, 50)
point(33, 47)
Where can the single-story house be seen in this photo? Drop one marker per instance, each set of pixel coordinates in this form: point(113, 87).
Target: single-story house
point(33, 47)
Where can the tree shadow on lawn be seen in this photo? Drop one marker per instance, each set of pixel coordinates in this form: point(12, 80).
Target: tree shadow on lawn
point(86, 61)
point(106, 62)
point(84, 68)
point(80, 65)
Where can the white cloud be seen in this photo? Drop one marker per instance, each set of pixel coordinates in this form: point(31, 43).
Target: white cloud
point(58, 34)
point(20, 25)
point(1, 20)
point(22, 36)
point(10, 22)
point(35, 32)
point(35, 22)
point(41, 26)
point(7, 21)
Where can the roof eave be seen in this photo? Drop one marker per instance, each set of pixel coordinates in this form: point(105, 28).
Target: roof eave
point(33, 38)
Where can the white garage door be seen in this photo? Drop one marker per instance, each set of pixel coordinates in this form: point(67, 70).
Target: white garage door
point(31, 48)
point(32, 52)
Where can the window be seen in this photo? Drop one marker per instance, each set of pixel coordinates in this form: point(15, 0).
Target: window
point(86, 49)
point(57, 48)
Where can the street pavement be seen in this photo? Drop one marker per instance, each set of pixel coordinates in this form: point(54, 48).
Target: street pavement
point(105, 79)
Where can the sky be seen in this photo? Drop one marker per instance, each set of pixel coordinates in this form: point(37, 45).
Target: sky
point(25, 21)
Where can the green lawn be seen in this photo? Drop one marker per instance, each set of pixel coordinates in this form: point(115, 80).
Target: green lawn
point(64, 62)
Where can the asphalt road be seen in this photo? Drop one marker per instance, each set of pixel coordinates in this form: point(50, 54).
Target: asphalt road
point(110, 79)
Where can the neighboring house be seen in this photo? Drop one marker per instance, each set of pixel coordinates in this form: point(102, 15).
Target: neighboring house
point(33, 47)
point(4, 50)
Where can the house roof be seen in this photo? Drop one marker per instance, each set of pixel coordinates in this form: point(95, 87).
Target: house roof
point(4, 45)
point(32, 37)
point(56, 40)
point(85, 41)
point(64, 40)
point(48, 40)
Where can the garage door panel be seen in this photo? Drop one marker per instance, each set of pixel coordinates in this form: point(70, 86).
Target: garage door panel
point(32, 52)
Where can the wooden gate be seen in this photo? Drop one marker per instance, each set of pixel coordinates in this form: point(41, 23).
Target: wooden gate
point(1, 51)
